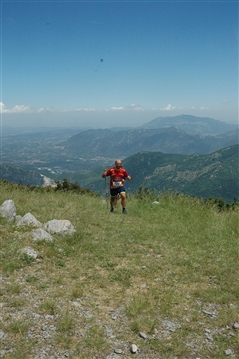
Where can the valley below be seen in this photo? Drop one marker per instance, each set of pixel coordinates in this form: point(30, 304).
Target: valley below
point(159, 158)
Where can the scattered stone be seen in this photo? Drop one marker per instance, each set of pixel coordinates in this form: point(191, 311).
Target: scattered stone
point(133, 348)
point(8, 210)
point(62, 227)
point(3, 335)
point(171, 326)
point(29, 220)
point(210, 314)
point(40, 234)
point(5, 352)
point(30, 252)
point(143, 335)
point(155, 202)
point(143, 267)
point(228, 352)
point(118, 351)
point(235, 325)
point(77, 304)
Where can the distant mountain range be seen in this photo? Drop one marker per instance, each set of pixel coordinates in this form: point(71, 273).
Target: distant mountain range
point(192, 124)
point(180, 134)
point(70, 150)
point(107, 143)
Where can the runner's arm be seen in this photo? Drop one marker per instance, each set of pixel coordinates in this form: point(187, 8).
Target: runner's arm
point(104, 174)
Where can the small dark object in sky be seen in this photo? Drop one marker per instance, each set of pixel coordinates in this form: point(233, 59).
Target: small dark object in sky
point(101, 60)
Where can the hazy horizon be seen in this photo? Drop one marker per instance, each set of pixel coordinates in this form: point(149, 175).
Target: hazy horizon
point(82, 125)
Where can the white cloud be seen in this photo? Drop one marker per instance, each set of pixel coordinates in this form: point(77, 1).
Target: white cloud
point(42, 109)
point(136, 107)
point(15, 109)
point(133, 109)
point(22, 108)
point(86, 109)
point(2, 107)
point(117, 108)
point(169, 108)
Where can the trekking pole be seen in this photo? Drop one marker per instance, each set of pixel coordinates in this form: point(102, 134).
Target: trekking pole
point(106, 192)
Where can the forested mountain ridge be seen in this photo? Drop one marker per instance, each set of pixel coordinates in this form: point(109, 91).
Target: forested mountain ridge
point(108, 143)
point(215, 174)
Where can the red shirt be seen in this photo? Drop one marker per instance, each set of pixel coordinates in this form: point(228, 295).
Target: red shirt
point(117, 177)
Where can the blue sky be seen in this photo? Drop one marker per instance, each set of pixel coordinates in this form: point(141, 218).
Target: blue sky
point(117, 63)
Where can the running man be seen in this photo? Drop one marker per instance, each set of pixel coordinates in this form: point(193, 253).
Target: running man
point(117, 178)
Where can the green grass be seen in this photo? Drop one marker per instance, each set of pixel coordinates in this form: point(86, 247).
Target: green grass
point(172, 261)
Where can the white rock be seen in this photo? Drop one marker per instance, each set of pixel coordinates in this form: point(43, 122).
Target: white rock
point(155, 202)
point(59, 227)
point(118, 351)
point(133, 348)
point(30, 252)
point(8, 210)
point(29, 220)
point(143, 335)
point(40, 234)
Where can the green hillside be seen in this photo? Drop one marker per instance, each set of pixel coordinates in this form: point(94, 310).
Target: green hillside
point(215, 174)
point(163, 277)
point(17, 174)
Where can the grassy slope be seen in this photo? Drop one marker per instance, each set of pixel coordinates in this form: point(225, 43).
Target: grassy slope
point(174, 261)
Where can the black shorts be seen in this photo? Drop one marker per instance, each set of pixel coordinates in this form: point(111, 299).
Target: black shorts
point(115, 191)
